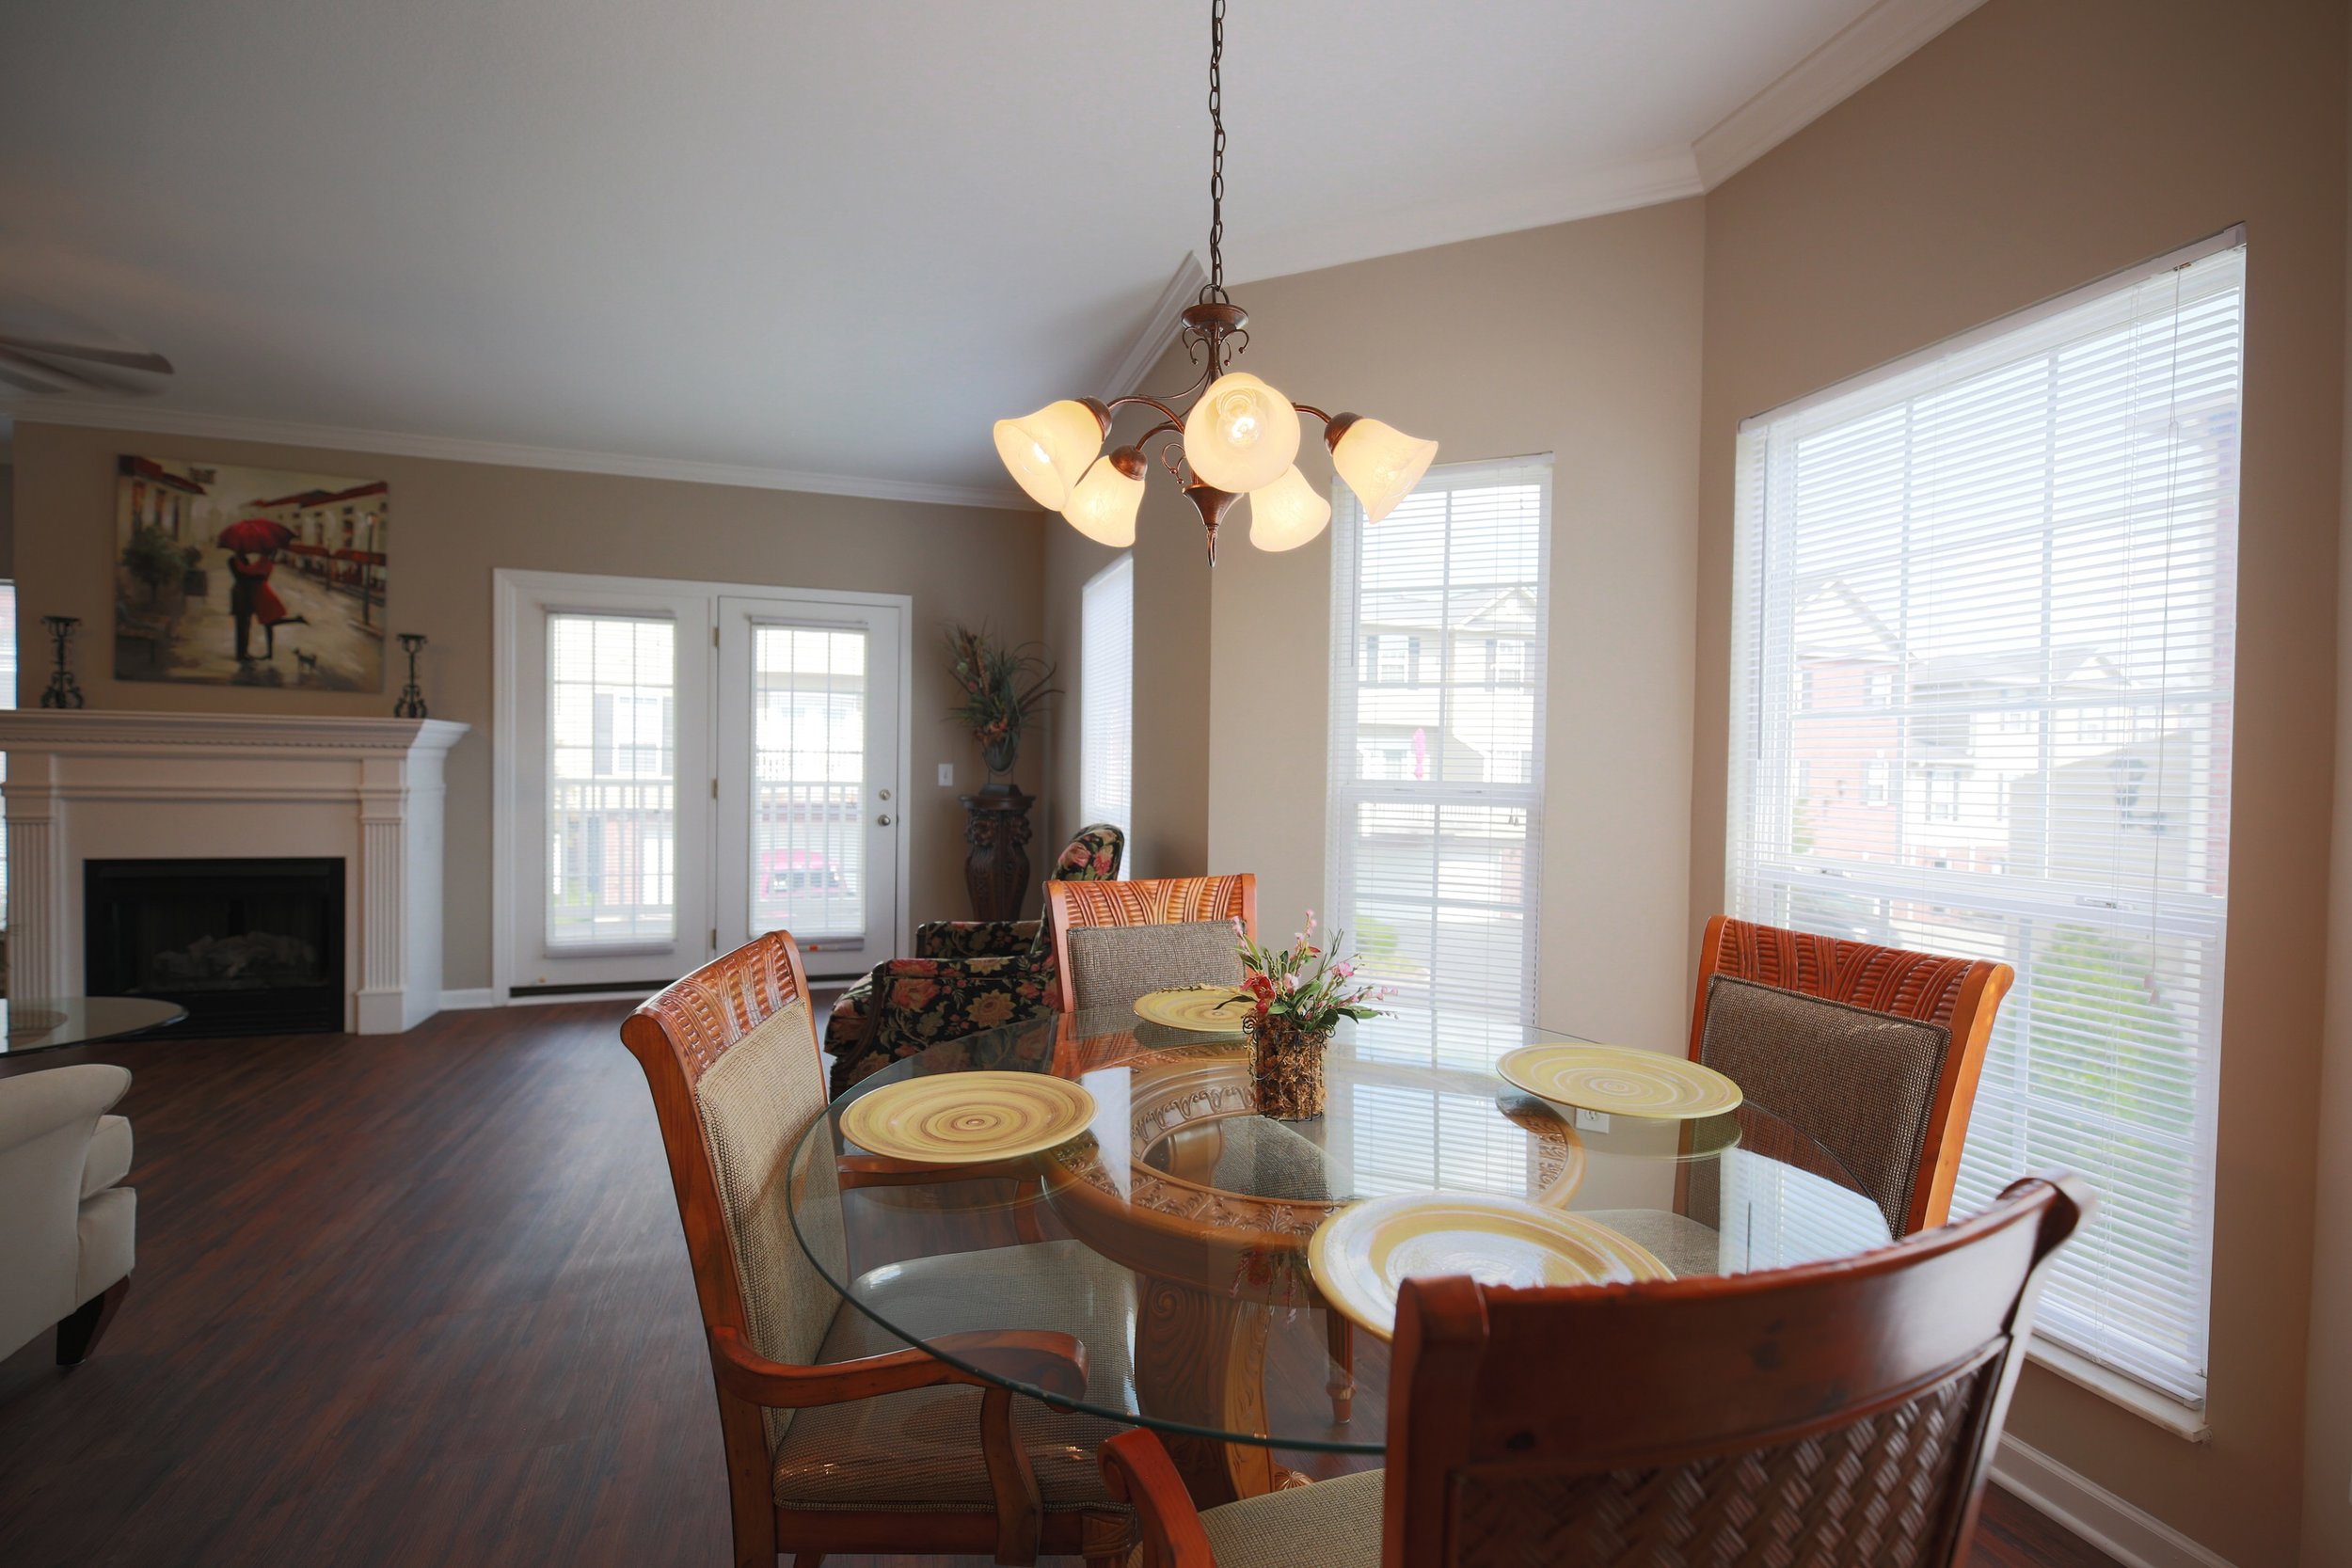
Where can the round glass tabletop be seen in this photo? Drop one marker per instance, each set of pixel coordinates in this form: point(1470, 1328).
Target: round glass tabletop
point(54, 1023)
point(1172, 1234)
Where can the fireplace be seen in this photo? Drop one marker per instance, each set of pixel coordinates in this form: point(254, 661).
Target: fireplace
point(248, 946)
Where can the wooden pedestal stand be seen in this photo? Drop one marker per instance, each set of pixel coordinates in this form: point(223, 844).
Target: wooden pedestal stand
point(997, 870)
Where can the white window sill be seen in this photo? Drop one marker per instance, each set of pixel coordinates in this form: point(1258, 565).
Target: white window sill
point(2185, 1421)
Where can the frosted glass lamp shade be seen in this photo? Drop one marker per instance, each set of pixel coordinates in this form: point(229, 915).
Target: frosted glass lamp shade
point(1380, 463)
point(1287, 512)
point(1047, 451)
point(1241, 435)
point(1103, 505)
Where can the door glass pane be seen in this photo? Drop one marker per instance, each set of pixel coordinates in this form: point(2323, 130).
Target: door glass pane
point(808, 780)
point(612, 780)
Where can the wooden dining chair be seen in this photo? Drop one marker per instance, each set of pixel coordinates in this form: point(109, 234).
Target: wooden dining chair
point(1872, 1052)
point(840, 1437)
point(1840, 1414)
point(1113, 941)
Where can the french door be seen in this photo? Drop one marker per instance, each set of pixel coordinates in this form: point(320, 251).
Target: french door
point(685, 765)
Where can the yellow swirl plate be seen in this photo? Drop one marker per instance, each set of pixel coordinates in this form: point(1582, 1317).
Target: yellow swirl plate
point(1620, 1081)
point(1360, 1256)
point(960, 1118)
point(1204, 1009)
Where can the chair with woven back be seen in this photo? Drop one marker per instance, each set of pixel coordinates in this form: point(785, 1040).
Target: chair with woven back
point(1872, 1052)
point(838, 1436)
point(1838, 1414)
point(1114, 941)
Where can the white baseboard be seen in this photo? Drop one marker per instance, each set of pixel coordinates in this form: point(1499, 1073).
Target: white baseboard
point(479, 996)
point(2124, 1531)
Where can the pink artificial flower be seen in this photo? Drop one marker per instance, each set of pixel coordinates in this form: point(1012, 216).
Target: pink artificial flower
point(1343, 968)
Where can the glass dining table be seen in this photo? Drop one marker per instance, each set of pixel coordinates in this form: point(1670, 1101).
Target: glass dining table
point(1171, 1235)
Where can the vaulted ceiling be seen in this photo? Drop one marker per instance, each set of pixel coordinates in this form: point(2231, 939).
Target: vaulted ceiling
point(811, 244)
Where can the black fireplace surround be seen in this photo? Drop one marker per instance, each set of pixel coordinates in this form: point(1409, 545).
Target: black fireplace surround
point(248, 946)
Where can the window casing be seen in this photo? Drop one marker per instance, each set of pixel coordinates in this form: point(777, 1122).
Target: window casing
point(1439, 618)
point(1107, 745)
point(2035, 527)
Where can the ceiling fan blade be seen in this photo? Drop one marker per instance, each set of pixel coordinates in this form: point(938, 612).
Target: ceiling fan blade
point(30, 375)
point(39, 375)
point(128, 359)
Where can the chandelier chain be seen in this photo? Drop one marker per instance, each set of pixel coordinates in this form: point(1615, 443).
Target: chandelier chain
point(1216, 288)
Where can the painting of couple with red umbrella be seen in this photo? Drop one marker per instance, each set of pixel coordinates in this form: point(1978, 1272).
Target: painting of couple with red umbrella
point(229, 576)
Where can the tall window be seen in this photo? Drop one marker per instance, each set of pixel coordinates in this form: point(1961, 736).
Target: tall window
point(2006, 572)
point(1107, 657)
point(611, 779)
point(1438, 636)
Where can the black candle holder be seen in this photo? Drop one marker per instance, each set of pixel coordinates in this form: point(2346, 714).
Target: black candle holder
point(411, 703)
point(61, 691)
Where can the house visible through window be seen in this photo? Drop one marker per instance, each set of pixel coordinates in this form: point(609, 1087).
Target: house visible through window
point(1106, 625)
point(2034, 529)
point(1437, 632)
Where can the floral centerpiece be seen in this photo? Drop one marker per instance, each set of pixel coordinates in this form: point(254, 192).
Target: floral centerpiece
point(1004, 688)
point(1301, 993)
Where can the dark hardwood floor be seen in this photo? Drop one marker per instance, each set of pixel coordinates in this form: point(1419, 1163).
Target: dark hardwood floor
point(411, 1299)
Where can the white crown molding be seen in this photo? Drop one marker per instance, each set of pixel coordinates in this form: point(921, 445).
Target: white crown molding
point(453, 449)
point(1393, 230)
point(2124, 1531)
point(1159, 328)
point(1865, 49)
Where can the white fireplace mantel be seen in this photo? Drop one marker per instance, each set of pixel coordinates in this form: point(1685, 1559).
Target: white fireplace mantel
point(86, 784)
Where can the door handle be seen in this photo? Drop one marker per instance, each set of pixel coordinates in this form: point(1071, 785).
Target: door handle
point(882, 821)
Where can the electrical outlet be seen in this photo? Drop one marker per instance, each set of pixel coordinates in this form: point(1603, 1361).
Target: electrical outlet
point(947, 774)
point(1592, 1121)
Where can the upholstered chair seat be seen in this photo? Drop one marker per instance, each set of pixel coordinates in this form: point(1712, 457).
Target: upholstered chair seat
point(966, 975)
point(914, 1449)
point(1331, 1524)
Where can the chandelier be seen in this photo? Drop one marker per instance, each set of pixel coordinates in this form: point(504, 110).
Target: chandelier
point(1237, 439)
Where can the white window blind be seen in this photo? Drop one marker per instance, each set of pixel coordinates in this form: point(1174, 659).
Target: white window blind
point(1981, 685)
point(1436, 803)
point(1106, 744)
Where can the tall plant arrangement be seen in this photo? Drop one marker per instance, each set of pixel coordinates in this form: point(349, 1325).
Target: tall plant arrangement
point(1005, 687)
point(1299, 994)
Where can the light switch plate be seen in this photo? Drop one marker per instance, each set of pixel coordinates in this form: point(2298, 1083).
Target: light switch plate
point(947, 774)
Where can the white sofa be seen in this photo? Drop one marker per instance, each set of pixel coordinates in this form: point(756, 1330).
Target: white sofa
point(66, 1226)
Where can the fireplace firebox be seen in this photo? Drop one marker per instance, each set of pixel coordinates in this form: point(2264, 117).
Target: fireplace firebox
point(248, 946)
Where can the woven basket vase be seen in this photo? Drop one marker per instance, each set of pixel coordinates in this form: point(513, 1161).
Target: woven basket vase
point(1286, 1063)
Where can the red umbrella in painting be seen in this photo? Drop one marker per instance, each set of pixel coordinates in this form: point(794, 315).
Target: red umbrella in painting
point(256, 535)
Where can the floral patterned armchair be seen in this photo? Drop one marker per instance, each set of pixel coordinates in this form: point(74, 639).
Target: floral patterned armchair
point(966, 975)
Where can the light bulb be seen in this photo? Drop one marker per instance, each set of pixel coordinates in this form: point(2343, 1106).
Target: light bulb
point(1287, 512)
point(1103, 506)
point(1047, 451)
point(1241, 435)
point(1380, 463)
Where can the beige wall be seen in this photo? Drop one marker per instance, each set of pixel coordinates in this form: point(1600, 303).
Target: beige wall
point(2032, 148)
point(1169, 833)
point(455, 522)
point(2327, 1382)
point(1582, 340)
